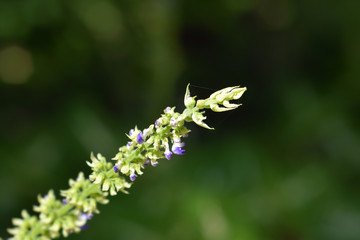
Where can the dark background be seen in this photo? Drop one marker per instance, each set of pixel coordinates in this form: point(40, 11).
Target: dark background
point(76, 75)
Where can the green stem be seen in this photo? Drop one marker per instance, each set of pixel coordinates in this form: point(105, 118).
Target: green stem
point(35, 231)
point(91, 189)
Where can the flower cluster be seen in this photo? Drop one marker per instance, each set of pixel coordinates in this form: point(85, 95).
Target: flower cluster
point(160, 140)
point(152, 144)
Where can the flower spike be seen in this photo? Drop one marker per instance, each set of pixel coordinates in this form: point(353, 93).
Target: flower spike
point(78, 203)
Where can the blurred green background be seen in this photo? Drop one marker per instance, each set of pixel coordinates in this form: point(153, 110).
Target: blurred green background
point(76, 75)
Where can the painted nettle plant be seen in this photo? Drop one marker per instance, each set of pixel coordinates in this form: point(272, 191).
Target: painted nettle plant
point(55, 217)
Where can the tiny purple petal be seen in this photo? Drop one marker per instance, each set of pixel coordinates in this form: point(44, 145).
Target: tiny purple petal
point(140, 138)
point(133, 177)
point(116, 169)
point(90, 216)
point(129, 144)
point(84, 227)
point(64, 201)
point(131, 132)
point(168, 109)
point(179, 150)
point(83, 217)
point(147, 162)
point(157, 122)
point(154, 164)
point(173, 122)
point(168, 155)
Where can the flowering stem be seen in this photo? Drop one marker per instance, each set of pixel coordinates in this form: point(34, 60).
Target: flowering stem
point(93, 188)
point(147, 146)
point(65, 209)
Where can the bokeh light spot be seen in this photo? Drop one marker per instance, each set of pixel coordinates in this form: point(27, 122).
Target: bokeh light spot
point(16, 65)
point(103, 19)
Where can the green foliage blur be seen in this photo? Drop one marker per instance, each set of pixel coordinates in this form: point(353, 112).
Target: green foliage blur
point(76, 75)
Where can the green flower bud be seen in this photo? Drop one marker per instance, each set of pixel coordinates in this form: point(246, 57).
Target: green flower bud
point(106, 185)
point(222, 97)
point(55, 227)
point(189, 102)
point(113, 191)
point(99, 178)
point(125, 169)
point(198, 119)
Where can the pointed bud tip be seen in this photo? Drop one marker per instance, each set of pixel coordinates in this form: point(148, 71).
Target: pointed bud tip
point(189, 101)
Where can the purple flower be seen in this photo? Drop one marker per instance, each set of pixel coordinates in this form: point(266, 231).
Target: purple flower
point(154, 164)
point(147, 162)
point(85, 216)
point(173, 122)
point(84, 227)
point(116, 169)
point(64, 201)
point(168, 154)
point(131, 132)
point(168, 109)
point(177, 148)
point(90, 216)
point(179, 151)
point(140, 138)
point(157, 123)
point(133, 177)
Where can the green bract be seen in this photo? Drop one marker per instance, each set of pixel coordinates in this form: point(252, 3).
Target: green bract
point(160, 140)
